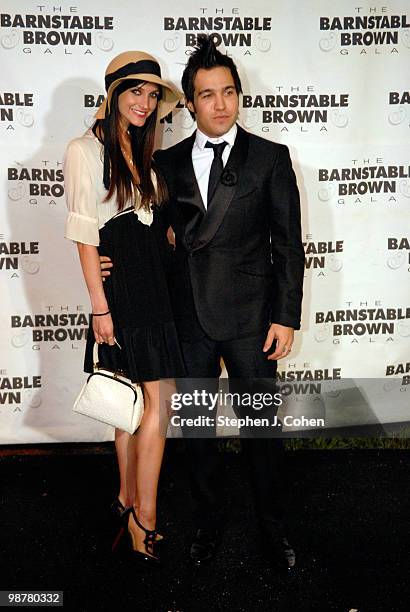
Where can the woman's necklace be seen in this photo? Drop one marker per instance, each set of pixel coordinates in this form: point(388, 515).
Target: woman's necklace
point(126, 150)
point(127, 156)
point(125, 146)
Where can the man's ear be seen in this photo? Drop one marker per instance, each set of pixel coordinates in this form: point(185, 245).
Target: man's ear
point(190, 106)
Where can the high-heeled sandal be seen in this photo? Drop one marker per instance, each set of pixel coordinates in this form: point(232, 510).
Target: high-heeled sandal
point(117, 510)
point(120, 514)
point(148, 558)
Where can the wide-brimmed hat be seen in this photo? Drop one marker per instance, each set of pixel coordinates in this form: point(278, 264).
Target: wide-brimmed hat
point(141, 66)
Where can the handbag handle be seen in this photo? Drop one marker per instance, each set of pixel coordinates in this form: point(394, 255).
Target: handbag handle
point(95, 353)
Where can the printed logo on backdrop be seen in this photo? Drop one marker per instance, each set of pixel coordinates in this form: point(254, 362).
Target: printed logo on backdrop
point(19, 392)
point(323, 257)
point(227, 26)
point(295, 108)
point(364, 182)
point(398, 253)
point(181, 120)
point(58, 327)
point(18, 257)
point(368, 30)
point(399, 108)
point(53, 29)
point(92, 102)
point(302, 380)
point(355, 325)
point(16, 110)
point(33, 185)
point(399, 370)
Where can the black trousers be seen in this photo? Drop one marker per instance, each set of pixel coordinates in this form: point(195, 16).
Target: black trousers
point(248, 367)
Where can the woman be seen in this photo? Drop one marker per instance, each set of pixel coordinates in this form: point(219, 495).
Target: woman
point(111, 186)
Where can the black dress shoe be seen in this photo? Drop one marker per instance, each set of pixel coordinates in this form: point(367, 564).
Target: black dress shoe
point(280, 554)
point(286, 555)
point(204, 546)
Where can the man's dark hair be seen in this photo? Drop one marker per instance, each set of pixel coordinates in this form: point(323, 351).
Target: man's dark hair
point(206, 55)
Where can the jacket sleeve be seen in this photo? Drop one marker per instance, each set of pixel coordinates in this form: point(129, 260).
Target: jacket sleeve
point(286, 243)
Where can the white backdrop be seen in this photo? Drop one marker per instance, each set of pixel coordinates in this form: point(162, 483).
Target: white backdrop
point(330, 80)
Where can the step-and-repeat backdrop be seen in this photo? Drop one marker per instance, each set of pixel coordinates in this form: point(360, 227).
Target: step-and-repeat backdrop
point(328, 79)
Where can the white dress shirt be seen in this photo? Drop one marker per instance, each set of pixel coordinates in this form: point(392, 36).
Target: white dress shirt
point(202, 157)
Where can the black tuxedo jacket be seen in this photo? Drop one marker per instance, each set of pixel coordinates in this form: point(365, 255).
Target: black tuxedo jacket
point(238, 266)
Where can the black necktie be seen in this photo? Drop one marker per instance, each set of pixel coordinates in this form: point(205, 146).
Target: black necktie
point(216, 167)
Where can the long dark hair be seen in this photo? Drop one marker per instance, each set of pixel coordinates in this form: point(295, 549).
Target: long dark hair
point(118, 177)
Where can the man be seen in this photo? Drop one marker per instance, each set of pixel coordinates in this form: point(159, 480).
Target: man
point(236, 279)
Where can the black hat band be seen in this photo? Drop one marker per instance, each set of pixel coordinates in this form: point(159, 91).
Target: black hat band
point(141, 67)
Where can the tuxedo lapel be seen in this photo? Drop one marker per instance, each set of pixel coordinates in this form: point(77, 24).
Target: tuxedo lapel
point(225, 191)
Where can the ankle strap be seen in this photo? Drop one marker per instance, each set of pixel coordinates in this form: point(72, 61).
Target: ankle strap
point(149, 533)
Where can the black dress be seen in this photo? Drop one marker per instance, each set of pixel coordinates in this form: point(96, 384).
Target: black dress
point(137, 296)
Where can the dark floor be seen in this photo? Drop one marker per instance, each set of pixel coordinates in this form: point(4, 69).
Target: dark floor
point(349, 525)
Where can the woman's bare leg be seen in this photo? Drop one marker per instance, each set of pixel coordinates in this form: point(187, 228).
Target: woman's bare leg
point(124, 445)
point(149, 450)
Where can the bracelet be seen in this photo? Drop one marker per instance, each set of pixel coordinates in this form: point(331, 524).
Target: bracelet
point(101, 314)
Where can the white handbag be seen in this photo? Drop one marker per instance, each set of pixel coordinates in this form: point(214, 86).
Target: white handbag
point(110, 397)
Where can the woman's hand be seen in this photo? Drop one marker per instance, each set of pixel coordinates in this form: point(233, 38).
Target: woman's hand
point(103, 329)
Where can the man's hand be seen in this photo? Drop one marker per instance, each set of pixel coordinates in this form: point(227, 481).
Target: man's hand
point(284, 341)
point(105, 264)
